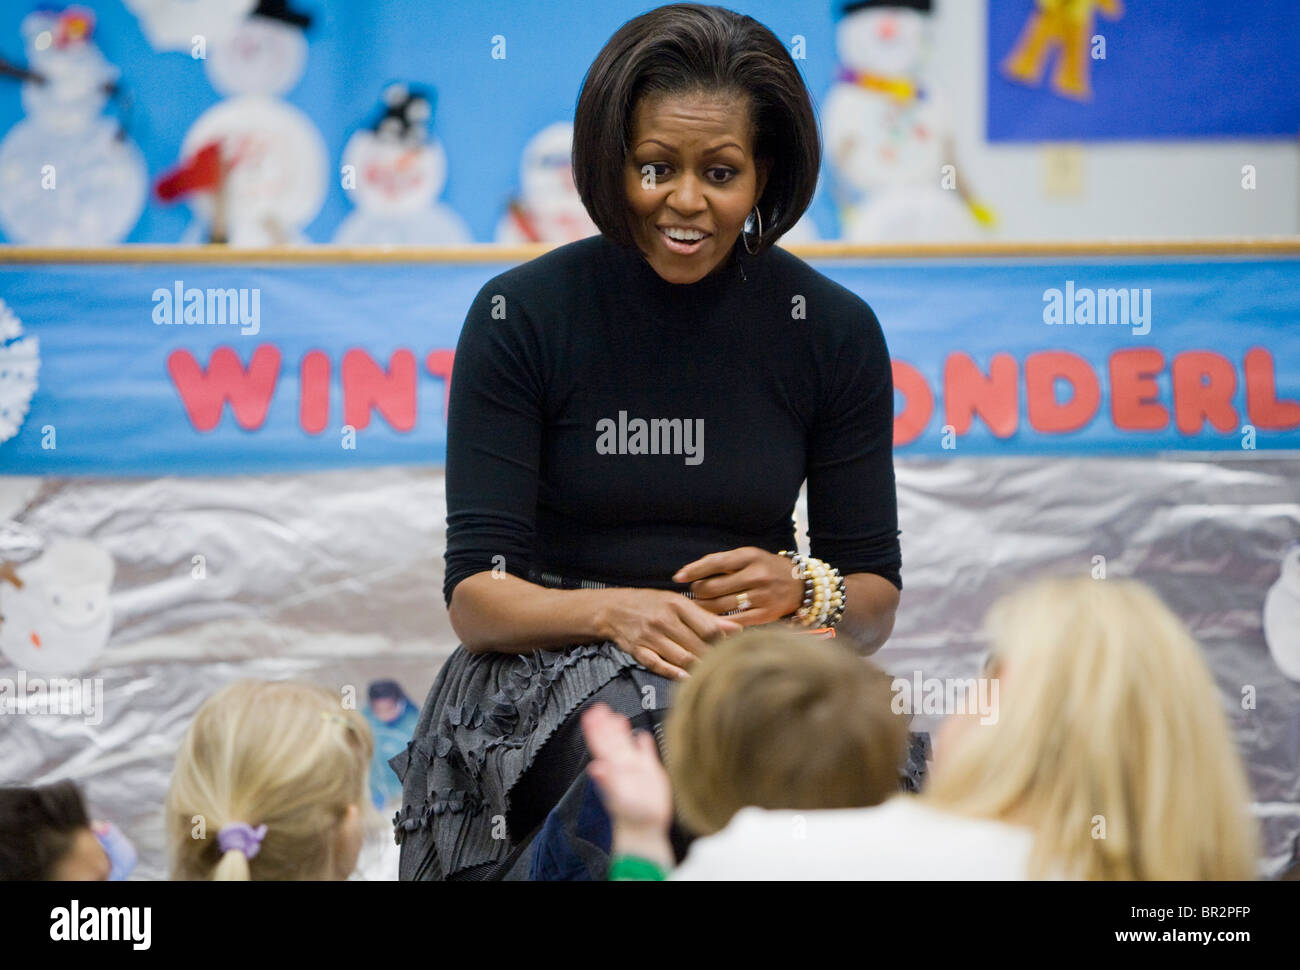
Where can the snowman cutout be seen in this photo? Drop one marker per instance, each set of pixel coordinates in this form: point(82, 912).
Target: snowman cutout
point(55, 612)
point(548, 208)
point(254, 166)
point(69, 176)
point(887, 131)
point(393, 173)
point(803, 231)
point(20, 360)
point(1282, 616)
point(174, 25)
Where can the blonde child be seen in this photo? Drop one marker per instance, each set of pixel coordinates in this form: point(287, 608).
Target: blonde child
point(270, 784)
point(1110, 758)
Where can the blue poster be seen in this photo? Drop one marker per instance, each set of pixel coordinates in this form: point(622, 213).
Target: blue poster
point(1141, 69)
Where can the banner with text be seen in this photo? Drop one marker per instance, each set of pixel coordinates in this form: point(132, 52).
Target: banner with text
point(161, 368)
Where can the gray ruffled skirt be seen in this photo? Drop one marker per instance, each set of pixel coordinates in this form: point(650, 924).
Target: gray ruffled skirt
point(486, 718)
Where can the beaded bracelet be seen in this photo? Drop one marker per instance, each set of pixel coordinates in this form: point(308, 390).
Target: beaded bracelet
point(824, 591)
point(800, 572)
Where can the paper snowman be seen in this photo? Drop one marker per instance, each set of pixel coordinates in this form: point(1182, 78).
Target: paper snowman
point(887, 132)
point(803, 231)
point(69, 175)
point(20, 360)
point(273, 158)
point(1282, 616)
point(393, 174)
point(175, 25)
point(548, 208)
point(59, 620)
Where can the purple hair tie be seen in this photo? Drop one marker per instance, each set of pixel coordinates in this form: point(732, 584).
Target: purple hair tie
point(243, 837)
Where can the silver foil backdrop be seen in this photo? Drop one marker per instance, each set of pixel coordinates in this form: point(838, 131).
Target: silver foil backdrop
point(335, 578)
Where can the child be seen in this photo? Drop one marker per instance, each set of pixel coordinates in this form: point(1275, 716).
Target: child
point(270, 784)
point(1110, 758)
point(771, 718)
point(46, 834)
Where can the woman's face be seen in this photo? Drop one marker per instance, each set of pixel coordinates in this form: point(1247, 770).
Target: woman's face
point(691, 166)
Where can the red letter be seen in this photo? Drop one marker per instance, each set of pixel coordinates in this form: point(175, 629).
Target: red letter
point(204, 393)
point(366, 386)
point(314, 391)
point(1262, 406)
point(1133, 388)
point(438, 363)
point(967, 392)
point(1204, 383)
point(1042, 371)
point(918, 403)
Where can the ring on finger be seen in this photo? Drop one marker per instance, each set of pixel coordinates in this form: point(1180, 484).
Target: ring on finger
point(742, 601)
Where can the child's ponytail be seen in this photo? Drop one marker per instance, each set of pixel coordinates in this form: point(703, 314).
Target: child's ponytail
point(275, 768)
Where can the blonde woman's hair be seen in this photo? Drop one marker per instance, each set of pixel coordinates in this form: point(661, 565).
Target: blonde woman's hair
point(275, 753)
point(1111, 742)
point(778, 719)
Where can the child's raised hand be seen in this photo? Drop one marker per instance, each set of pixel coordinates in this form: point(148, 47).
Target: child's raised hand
point(626, 769)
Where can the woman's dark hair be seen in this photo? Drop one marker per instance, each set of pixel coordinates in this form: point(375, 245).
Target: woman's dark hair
point(37, 828)
point(686, 48)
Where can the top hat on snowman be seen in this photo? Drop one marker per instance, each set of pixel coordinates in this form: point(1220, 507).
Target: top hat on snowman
point(921, 6)
point(264, 55)
point(405, 114)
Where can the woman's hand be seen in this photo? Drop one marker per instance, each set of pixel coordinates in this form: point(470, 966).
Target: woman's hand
point(771, 584)
point(633, 784)
point(662, 630)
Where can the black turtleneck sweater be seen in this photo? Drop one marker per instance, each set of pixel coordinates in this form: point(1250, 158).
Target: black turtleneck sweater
point(605, 424)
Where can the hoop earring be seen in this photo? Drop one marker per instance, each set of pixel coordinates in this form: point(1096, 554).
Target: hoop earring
point(744, 237)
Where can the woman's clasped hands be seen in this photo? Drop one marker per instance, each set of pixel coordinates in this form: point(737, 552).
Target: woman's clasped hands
point(666, 632)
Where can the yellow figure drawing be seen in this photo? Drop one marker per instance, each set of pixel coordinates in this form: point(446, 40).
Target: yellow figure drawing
point(1064, 24)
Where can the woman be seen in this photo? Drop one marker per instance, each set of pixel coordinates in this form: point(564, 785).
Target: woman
point(631, 418)
point(1109, 757)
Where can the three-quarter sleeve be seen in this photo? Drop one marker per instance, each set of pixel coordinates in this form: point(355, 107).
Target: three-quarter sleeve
point(852, 505)
point(494, 434)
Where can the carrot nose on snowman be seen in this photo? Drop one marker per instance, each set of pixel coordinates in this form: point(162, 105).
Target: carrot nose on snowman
point(36, 640)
